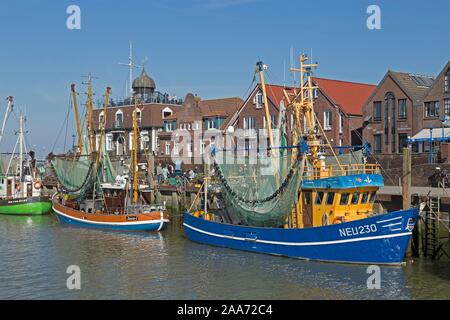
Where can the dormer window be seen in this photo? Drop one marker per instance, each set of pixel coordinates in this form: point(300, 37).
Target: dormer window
point(258, 100)
point(447, 81)
point(167, 112)
point(119, 119)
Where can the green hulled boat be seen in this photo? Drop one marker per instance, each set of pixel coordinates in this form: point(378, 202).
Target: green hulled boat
point(21, 191)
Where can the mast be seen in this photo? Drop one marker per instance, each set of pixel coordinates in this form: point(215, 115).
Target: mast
point(130, 65)
point(21, 147)
point(9, 109)
point(260, 67)
point(135, 153)
point(90, 119)
point(103, 124)
point(75, 106)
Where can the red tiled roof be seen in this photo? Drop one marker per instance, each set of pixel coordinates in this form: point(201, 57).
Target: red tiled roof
point(350, 96)
point(276, 93)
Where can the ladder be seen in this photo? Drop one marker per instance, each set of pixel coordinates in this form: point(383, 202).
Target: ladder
point(431, 246)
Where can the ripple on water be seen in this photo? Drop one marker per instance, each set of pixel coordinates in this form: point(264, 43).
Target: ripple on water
point(35, 254)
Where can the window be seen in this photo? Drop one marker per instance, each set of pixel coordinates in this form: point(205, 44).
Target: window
point(330, 198)
point(327, 120)
point(176, 149)
point(145, 140)
point(365, 198)
point(202, 146)
point(447, 107)
point(131, 137)
point(377, 111)
point(316, 93)
point(167, 148)
point(258, 100)
point(273, 121)
point(377, 143)
point(373, 197)
point(119, 119)
point(307, 197)
point(432, 109)
point(167, 112)
point(319, 198)
point(139, 116)
point(169, 126)
point(341, 123)
point(402, 109)
point(249, 123)
point(100, 120)
point(355, 198)
point(447, 81)
point(109, 142)
point(344, 199)
point(210, 124)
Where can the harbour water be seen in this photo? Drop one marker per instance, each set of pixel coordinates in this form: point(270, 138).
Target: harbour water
point(35, 253)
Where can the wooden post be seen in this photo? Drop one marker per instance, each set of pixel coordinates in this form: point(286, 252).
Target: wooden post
point(406, 178)
point(406, 187)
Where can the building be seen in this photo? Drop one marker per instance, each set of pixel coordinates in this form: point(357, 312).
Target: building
point(159, 117)
point(153, 108)
point(191, 129)
point(395, 111)
point(338, 107)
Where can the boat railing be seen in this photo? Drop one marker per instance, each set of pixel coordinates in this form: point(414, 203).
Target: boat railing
point(342, 170)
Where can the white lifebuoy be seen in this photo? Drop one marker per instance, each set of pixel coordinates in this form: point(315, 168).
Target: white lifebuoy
point(37, 185)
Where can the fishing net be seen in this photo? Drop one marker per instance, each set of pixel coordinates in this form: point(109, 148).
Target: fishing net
point(261, 191)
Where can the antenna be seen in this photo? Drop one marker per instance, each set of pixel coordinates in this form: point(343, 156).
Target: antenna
point(130, 65)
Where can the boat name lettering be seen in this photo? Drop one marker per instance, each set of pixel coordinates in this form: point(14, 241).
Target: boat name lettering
point(17, 201)
point(132, 218)
point(354, 231)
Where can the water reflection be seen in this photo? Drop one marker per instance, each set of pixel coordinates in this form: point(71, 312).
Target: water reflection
point(36, 251)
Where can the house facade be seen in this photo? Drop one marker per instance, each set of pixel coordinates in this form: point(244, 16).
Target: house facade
point(395, 111)
point(190, 131)
point(338, 107)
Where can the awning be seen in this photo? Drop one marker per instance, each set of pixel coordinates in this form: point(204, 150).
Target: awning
point(435, 134)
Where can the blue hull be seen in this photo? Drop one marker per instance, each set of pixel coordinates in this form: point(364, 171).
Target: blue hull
point(149, 226)
point(382, 239)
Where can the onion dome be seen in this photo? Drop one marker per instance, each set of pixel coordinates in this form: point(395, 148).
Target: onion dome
point(144, 82)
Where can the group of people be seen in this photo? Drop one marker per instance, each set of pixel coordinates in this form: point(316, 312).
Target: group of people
point(168, 171)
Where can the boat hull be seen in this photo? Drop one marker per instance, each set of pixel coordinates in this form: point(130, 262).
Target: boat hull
point(154, 221)
point(382, 239)
point(26, 206)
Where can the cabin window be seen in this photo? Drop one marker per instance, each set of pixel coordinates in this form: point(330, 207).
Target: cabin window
point(355, 198)
point(344, 199)
point(330, 198)
point(365, 198)
point(373, 197)
point(319, 197)
point(307, 196)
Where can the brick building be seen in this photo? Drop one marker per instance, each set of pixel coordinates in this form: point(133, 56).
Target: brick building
point(395, 111)
point(338, 107)
point(199, 122)
point(153, 108)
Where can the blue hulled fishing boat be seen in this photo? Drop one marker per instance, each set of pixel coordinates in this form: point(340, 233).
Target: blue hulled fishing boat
point(296, 202)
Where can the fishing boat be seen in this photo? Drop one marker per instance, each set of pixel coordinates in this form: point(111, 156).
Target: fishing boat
point(306, 206)
point(92, 195)
point(21, 191)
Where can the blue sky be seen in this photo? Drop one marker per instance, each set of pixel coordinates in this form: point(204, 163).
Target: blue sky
point(208, 47)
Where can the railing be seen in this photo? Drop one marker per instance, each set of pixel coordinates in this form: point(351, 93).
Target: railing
point(342, 170)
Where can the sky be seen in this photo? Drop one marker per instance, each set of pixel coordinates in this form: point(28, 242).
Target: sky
point(207, 47)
